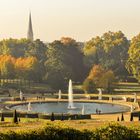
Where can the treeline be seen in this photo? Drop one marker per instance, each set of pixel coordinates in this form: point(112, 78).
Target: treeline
point(55, 63)
point(19, 68)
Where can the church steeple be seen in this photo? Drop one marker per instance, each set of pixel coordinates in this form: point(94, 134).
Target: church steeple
point(30, 34)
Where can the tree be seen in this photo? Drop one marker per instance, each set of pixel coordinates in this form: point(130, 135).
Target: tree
point(99, 78)
point(64, 61)
point(28, 68)
point(139, 116)
point(52, 117)
point(7, 66)
point(56, 71)
point(15, 118)
point(62, 117)
point(131, 117)
point(96, 73)
point(109, 50)
point(34, 51)
point(73, 58)
point(2, 117)
point(23, 48)
point(133, 63)
point(122, 117)
point(37, 49)
point(88, 86)
point(107, 80)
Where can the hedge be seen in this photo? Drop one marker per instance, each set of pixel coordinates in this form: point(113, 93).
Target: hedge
point(54, 132)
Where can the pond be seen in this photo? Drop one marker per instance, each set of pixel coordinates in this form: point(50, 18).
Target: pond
point(62, 107)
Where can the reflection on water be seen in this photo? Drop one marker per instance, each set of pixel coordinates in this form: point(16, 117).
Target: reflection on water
point(62, 107)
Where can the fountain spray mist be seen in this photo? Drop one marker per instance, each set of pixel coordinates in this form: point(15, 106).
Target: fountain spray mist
point(70, 96)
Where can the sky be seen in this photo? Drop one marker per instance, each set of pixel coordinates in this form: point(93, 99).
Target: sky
point(79, 19)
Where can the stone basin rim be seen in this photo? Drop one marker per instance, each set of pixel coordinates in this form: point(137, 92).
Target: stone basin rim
point(8, 107)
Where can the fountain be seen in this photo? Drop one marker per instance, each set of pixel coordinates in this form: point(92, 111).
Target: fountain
point(21, 95)
point(83, 110)
point(87, 96)
point(59, 94)
point(100, 94)
point(70, 96)
point(135, 97)
point(70, 106)
point(59, 108)
point(124, 98)
point(132, 108)
point(29, 106)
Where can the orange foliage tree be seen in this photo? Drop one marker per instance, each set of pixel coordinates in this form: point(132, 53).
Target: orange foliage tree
point(25, 68)
point(7, 66)
point(99, 78)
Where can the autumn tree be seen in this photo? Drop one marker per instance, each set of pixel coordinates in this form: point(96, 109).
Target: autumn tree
point(7, 66)
point(88, 86)
point(27, 68)
point(99, 78)
point(24, 48)
point(96, 73)
point(109, 50)
point(23, 68)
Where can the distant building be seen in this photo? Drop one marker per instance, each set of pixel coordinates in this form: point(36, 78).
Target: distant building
point(30, 34)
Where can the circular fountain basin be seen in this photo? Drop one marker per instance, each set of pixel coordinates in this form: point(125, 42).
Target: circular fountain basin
point(62, 107)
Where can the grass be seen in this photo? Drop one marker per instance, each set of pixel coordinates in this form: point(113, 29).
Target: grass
point(77, 124)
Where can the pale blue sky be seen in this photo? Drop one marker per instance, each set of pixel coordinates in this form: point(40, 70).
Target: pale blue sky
point(80, 19)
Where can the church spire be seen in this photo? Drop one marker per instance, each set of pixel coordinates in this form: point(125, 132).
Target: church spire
point(30, 35)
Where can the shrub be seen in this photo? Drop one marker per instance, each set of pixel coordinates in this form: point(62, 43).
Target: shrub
point(57, 132)
point(2, 117)
point(15, 118)
point(139, 116)
point(116, 132)
point(62, 117)
point(131, 117)
point(122, 117)
point(52, 117)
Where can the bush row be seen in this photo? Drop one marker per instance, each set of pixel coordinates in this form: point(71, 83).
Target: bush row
point(42, 116)
point(54, 132)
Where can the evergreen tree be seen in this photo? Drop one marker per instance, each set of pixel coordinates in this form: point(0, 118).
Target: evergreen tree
point(139, 116)
point(15, 118)
point(122, 117)
point(118, 119)
point(2, 117)
point(62, 117)
point(131, 117)
point(52, 117)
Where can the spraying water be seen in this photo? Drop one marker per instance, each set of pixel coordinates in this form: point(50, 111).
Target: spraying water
point(83, 110)
point(21, 95)
point(100, 94)
point(59, 95)
point(29, 106)
point(70, 96)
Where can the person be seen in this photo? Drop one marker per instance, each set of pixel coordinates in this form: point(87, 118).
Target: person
point(96, 111)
